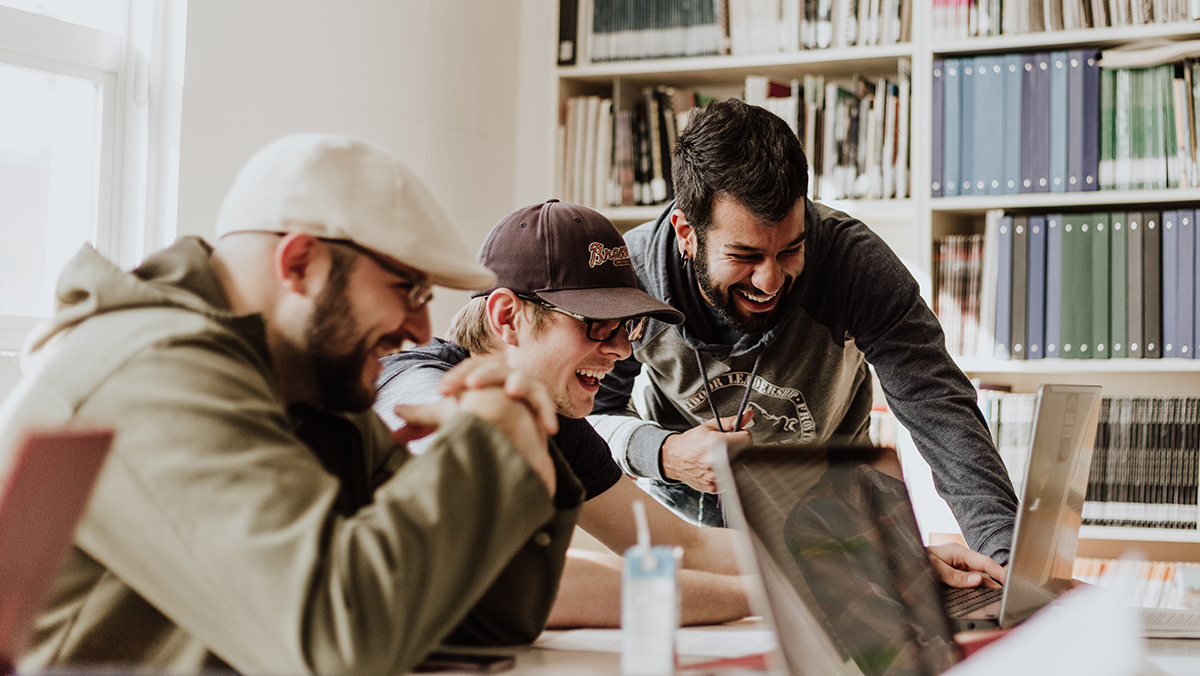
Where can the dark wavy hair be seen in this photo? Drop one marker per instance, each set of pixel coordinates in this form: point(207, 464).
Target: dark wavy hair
point(733, 150)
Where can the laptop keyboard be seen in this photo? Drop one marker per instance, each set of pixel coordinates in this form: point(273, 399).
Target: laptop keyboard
point(959, 601)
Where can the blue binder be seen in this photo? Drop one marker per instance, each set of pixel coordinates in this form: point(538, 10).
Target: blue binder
point(1036, 289)
point(1003, 287)
point(1075, 113)
point(967, 139)
point(989, 128)
point(1058, 121)
point(1054, 252)
point(1091, 120)
point(951, 126)
point(1187, 282)
point(936, 128)
point(1013, 133)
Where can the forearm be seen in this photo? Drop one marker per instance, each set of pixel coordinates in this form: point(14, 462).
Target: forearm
point(590, 594)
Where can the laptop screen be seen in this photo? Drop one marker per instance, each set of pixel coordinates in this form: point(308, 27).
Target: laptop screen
point(838, 549)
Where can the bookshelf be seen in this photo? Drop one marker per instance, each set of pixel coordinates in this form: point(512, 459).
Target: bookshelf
point(910, 225)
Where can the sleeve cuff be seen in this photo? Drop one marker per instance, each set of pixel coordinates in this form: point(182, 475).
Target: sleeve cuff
point(645, 452)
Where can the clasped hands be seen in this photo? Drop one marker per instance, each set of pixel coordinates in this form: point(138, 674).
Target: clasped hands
point(486, 387)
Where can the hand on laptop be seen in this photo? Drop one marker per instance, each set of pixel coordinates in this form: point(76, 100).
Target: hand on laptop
point(958, 566)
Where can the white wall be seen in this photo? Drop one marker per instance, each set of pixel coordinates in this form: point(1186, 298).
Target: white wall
point(433, 81)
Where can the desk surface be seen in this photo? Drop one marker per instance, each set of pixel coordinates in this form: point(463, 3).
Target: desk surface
point(1164, 657)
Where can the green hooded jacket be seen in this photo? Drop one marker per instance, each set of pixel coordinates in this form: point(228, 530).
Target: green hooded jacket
point(214, 537)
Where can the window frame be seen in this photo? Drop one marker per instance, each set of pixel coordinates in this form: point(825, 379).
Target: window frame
point(139, 126)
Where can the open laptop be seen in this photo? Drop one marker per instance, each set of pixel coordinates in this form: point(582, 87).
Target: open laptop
point(1049, 516)
point(45, 483)
point(847, 585)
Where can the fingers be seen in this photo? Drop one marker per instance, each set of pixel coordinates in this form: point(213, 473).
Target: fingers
point(475, 372)
point(956, 556)
point(953, 576)
point(520, 386)
point(419, 421)
point(482, 372)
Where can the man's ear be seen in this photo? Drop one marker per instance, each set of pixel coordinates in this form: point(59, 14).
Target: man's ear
point(299, 258)
point(506, 314)
point(685, 235)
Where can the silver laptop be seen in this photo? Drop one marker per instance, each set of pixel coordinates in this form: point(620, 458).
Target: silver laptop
point(845, 580)
point(1050, 513)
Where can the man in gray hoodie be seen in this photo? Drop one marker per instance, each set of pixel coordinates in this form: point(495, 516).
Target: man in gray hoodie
point(787, 302)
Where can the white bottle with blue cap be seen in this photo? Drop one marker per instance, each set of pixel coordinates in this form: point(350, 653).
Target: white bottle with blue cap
point(649, 604)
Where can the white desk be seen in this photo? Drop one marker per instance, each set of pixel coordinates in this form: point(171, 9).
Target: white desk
point(1164, 657)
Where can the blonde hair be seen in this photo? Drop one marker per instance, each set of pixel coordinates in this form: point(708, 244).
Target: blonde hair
point(471, 329)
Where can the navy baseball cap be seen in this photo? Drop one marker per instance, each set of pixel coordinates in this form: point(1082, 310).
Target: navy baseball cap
point(571, 257)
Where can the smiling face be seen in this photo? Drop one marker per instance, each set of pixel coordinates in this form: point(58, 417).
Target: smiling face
point(361, 315)
point(559, 354)
point(745, 268)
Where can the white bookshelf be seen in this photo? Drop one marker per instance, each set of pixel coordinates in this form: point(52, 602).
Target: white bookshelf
point(911, 224)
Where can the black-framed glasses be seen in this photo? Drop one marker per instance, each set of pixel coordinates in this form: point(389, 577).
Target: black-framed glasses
point(420, 289)
point(598, 330)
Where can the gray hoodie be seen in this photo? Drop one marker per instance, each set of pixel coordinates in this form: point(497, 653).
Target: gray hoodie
point(854, 304)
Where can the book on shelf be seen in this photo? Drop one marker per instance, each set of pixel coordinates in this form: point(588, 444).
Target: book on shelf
point(619, 30)
point(958, 19)
point(958, 275)
point(617, 152)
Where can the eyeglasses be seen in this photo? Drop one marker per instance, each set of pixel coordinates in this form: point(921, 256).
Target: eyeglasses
point(420, 289)
point(598, 330)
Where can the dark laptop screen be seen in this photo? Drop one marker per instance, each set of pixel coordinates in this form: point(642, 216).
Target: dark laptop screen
point(838, 525)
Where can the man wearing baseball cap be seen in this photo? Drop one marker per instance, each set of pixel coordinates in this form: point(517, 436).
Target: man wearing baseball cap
point(564, 310)
point(254, 513)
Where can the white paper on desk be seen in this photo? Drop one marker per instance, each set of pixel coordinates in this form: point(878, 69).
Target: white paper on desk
point(688, 642)
point(1088, 631)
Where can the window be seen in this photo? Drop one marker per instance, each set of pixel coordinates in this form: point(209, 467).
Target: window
point(89, 129)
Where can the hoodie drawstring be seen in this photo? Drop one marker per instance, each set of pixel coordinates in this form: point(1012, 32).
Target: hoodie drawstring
point(737, 422)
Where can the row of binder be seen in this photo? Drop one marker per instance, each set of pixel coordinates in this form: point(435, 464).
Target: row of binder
point(1000, 123)
point(1096, 285)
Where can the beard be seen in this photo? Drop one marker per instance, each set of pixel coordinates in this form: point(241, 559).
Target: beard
point(338, 373)
point(721, 298)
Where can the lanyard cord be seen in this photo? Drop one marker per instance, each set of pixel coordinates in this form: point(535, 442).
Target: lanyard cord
point(737, 422)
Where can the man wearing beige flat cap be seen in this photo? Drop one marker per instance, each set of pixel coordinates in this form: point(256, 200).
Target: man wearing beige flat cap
point(255, 513)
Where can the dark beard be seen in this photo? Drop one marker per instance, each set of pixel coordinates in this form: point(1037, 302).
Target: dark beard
point(722, 299)
point(338, 375)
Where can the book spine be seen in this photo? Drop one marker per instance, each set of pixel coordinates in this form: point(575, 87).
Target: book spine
point(1170, 283)
point(1054, 278)
point(1133, 273)
point(1118, 323)
point(1036, 289)
point(1020, 280)
point(1076, 113)
point(1012, 138)
point(1152, 286)
point(1004, 258)
point(952, 127)
point(1187, 284)
point(1059, 116)
point(937, 133)
point(1101, 269)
